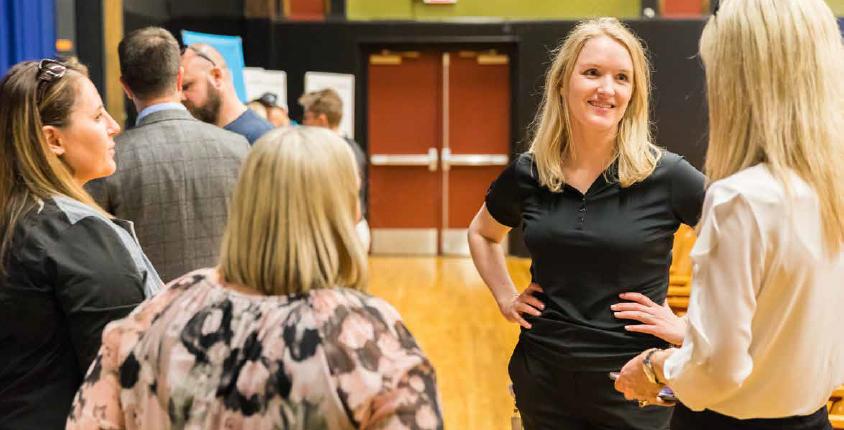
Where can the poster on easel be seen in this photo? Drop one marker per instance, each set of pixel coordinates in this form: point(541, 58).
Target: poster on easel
point(259, 81)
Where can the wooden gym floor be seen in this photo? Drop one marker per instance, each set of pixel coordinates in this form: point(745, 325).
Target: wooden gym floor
point(454, 318)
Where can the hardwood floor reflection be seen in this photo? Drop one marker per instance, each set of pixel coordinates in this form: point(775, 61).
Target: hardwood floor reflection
point(456, 321)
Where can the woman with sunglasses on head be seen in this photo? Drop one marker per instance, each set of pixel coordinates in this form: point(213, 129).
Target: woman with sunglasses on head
point(67, 268)
point(764, 348)
point(599, 204)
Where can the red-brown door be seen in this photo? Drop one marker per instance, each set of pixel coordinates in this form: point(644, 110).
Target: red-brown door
point(404, 131)
point(439, 132)
point(477, 140)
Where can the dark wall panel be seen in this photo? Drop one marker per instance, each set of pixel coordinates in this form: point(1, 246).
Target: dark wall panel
point(89, 41)
point(678, 101)
point(678, 104)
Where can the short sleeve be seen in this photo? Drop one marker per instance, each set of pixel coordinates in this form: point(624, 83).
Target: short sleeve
point(687, 192)
point(95, 282)
point(505, 196)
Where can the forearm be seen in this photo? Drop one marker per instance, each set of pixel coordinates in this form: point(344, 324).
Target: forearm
point(488, 257)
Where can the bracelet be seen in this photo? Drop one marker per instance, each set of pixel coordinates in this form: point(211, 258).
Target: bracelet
point(648, 367)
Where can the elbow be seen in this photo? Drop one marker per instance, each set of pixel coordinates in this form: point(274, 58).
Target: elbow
point(475, 241)
point(728, 380)
point(474, 234)
point(730, 366)
point(715, 385)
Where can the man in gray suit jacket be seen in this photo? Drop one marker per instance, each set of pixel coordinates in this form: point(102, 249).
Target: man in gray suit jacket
point(174, 173)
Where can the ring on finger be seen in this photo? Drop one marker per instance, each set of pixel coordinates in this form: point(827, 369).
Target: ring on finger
point(643, 403)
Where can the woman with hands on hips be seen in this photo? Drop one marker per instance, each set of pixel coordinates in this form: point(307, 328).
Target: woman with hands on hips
point(599, 204)
point(763, 347)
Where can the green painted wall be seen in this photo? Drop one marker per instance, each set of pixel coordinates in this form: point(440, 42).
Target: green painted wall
point(503, 9)
point(837, 6)
point(379, 9)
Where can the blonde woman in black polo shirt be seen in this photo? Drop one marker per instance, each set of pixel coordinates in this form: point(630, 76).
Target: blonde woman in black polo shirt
point(599, 204)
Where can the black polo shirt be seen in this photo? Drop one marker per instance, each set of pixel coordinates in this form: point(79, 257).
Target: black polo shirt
point(588, 248)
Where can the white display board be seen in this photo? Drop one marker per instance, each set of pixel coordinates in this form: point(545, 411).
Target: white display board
point(345, 86)
point(259, 81)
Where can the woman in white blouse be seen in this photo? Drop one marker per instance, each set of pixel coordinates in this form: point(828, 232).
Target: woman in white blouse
point(763, 345)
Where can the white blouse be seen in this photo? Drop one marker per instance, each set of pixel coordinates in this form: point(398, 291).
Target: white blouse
point(766, 314)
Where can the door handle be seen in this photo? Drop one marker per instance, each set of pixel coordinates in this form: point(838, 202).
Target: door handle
point(430, 159)
point(449, 159)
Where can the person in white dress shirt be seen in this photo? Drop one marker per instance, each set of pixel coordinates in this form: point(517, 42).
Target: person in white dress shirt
point(762, 343)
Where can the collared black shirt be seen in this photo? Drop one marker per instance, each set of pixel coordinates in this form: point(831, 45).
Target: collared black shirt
point(588, 248)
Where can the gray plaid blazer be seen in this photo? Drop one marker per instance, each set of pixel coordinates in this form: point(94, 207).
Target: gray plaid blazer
point(174, 180)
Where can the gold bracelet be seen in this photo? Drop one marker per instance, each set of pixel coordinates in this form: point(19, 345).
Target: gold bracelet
point(648, 366)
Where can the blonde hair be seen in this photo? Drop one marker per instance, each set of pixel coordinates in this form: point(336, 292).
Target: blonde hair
point(773, 72)
point(29, 170)
point(291, 225)
point(552, 142)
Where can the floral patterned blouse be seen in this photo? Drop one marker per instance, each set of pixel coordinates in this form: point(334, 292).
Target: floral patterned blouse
point(202, 356)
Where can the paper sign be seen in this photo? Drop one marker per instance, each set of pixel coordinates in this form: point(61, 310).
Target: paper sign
point(259, 81)
point(345, 86)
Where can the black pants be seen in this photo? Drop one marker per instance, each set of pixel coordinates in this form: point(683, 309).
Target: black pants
point(686, 419)
point(551, 398)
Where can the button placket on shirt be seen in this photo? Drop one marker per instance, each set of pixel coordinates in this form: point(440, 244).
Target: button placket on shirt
point(581, 213)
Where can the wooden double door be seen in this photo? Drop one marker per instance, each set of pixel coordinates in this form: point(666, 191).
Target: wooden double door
point(439, 133)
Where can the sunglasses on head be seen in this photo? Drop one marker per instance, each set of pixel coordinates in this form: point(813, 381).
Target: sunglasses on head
point(49, 70)
point(198, 53)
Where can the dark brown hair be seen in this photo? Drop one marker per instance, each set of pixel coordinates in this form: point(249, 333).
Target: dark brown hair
point(149, 61)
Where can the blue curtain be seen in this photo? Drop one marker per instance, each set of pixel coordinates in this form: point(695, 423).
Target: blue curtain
point(27, 31)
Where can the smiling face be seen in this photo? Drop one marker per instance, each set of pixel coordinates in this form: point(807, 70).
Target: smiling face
point(86, 142)
point(600, 85)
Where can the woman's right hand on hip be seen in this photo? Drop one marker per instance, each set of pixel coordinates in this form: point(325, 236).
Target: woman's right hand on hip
point(525, 303)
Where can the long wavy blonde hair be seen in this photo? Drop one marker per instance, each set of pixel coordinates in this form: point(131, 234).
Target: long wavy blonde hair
point(552, 142)
point(291, 224)
point(773, 72)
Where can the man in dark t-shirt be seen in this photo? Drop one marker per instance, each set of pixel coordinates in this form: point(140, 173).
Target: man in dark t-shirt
point(208, 93)
point(250, 125)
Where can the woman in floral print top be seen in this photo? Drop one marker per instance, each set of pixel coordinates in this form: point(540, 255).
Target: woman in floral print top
point(280, 335)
